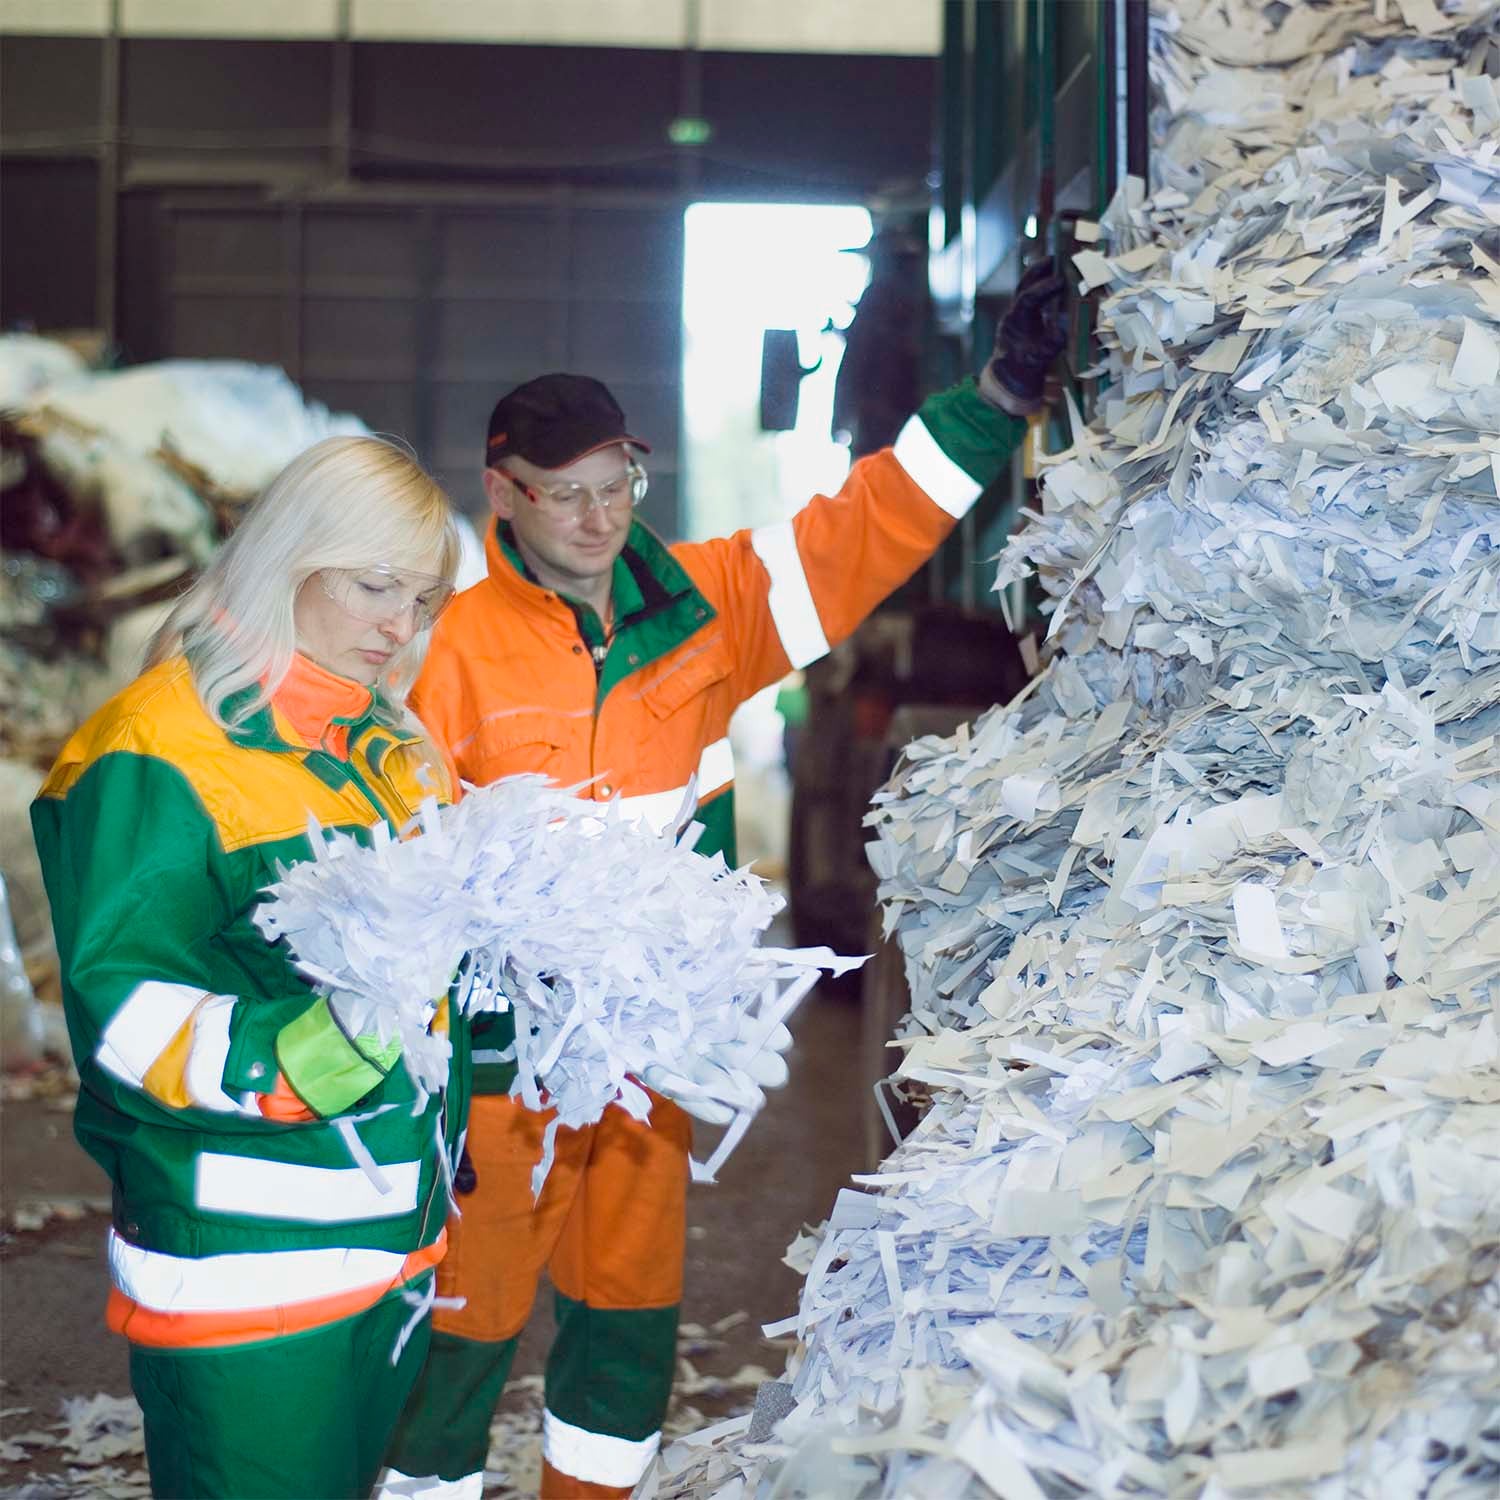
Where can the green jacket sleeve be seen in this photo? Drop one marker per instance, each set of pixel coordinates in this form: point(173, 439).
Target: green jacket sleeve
point(139, 890)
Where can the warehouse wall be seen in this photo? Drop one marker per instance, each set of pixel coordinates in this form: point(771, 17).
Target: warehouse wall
point(899, 27)
point(408, 226)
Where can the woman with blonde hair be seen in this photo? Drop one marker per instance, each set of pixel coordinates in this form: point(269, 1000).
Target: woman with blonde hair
point(280, 1186)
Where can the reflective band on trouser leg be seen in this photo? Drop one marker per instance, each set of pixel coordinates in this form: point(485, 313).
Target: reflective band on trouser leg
point(594, 1457)
point(394, 1485)
point(941, 479)
point(791, 601)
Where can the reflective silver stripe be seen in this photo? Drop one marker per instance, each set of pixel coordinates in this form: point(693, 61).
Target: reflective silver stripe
point(394, 1485)
point(790, 598)
point(208, 1057)
point(263, 1189)
point(143, 1027)
point(233, 1283)
point(655, 809)
point(939, 477)
point(594, 1456)
point(715, 767)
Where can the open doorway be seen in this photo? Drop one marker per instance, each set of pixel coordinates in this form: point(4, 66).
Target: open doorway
point(748, 267)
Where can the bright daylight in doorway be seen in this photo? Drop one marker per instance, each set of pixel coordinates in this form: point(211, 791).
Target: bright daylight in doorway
point(749, 267)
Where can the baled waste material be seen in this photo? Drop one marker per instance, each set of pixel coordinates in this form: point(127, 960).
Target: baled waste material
point(157, 449)
point(115, 486)
point(1203, 931)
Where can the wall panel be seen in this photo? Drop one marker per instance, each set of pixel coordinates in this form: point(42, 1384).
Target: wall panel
point(418, 315)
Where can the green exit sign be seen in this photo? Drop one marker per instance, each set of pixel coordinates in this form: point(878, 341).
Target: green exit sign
point(690, 130)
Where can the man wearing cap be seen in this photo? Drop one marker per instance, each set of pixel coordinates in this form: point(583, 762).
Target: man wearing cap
point(596, 653)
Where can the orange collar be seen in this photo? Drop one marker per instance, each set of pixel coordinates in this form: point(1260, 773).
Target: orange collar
point(319, 706)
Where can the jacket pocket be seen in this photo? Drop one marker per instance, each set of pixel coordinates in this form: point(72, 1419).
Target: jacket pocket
point(511, 741)
point(681, 678)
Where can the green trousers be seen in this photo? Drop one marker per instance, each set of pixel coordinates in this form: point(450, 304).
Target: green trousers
point(446, 1427)
point(302, 1417)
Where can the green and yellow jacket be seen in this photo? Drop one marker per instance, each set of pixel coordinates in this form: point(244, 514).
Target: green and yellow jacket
point(217, 1090)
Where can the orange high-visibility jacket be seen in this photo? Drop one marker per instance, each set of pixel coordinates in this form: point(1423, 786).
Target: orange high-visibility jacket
point(510, 684)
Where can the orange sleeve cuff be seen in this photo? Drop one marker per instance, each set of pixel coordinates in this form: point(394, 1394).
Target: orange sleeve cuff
point(283, 1106)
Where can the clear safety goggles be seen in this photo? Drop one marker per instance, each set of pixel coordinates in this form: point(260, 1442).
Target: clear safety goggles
point(571, 502)
point(383, 595)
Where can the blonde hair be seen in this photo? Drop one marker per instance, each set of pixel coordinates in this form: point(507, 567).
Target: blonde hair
point(346, 502)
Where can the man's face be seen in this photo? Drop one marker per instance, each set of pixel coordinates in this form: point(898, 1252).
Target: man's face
point(575, 540)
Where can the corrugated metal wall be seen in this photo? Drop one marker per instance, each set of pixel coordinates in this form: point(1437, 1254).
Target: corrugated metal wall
point(409, 229)
point(416, 314)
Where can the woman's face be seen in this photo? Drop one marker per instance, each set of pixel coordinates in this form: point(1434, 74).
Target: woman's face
point(353, 620)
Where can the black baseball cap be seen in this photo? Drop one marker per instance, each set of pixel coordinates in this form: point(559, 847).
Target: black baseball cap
point(554, 420)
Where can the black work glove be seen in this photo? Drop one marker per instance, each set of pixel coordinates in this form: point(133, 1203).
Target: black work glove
point(1030, 337)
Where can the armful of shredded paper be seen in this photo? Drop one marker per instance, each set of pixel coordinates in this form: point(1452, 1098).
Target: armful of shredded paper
point(617, 948)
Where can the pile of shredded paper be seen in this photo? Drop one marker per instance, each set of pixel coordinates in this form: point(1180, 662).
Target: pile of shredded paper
point(96, 1450)
point(1203, 932)
point(621, 952)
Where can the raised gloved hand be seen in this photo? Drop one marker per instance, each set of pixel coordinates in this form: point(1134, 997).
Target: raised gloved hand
point(1031, 335)
point(729, 1076)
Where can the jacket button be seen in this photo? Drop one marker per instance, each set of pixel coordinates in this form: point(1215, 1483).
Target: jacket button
point(577, 650)
point(701, 614)
point(257, 1070)
point(132, 1229)
point(606, 790)
point(634, 659)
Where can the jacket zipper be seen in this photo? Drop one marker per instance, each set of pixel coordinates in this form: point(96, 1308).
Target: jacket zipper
point(380, 808)
point(439, 1175)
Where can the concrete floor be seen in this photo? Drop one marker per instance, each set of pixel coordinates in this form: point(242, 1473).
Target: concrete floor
point(785, 1173)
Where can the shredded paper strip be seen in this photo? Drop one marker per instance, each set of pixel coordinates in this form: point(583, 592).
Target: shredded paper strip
point(619, 949)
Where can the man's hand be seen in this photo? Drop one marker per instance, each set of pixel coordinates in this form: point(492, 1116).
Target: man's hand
point(737, 1070)
point(1031, 335)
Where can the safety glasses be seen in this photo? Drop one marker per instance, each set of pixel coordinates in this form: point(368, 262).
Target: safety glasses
point(382, 595)
point(571, 502)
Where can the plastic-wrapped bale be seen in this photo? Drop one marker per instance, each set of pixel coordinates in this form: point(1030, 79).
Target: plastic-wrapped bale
point(157, 446)
point(1201, 933)
point(30, 363)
